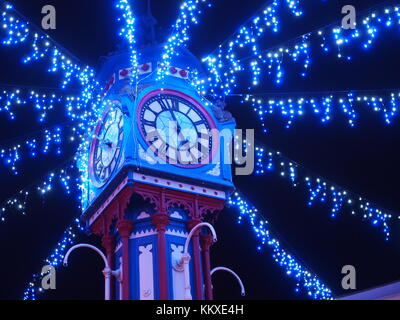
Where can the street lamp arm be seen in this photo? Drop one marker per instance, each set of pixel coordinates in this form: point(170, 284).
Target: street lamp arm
point(85, 245)
point(107, 272)
point(234, 274)
point(185, 257)
point(200, 225)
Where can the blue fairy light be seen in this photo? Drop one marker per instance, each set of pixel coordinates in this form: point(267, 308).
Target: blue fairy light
point(128, 32)
point(319, 189)
point(225, 65)
point(41, 143)
point(189, 12)
point(306, 281)
point(62, 176)
point(18, 30)
point(54, 259)
point(324, 107)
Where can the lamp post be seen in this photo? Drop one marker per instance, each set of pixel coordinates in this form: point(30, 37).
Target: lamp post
point(107, 272)
point(185, 257)
point(233, 273)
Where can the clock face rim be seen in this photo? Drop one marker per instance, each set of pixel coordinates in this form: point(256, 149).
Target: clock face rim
point(93, 178)
point(197, 105)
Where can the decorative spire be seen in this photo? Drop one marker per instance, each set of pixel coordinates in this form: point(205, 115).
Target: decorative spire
point(149, 23)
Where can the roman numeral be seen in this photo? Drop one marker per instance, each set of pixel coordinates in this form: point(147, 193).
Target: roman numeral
point(149, 123)
point(175, 104)
point(164, 104)
point(168, 103)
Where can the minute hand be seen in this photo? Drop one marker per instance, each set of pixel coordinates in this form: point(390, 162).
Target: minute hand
point(173, 117)
point(179, 129)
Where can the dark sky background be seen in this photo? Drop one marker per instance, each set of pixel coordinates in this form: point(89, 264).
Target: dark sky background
point(364, 159)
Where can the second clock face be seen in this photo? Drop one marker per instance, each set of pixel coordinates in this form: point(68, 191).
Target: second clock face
point(106, 145)
point(177, 129)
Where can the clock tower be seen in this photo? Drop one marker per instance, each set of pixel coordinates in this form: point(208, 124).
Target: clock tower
point(159, 164)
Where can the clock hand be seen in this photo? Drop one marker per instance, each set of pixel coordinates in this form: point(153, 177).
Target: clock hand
point(182, 143)
point(173, 115)
point(178, 127)
point(182, 138)
point(108, 143)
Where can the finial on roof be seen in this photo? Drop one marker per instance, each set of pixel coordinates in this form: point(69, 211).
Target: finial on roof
point(149, 23)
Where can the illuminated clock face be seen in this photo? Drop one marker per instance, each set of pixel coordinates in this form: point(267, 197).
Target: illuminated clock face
point(106, 145)
point(177, 128)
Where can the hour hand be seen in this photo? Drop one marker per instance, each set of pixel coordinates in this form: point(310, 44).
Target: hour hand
point(106, 143)
point(183, 143)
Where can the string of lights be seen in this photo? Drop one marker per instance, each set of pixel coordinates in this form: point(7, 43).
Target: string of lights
point(83, 109)
point(18, 30)
point(306, 281)
point(17, 98)
point(128, 32)
point(273, 62)
point(83, 168)
point(64, 175)
point(264, 19)
point(224, 62)
point(41, 142)
point(34, 288)
point(81, 118)
point(319, 189)
point(323, 105)
point(188, 15)
point(78, 107)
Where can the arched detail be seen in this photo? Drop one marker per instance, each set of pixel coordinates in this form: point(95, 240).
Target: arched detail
point(186, 205)
point(148, 193)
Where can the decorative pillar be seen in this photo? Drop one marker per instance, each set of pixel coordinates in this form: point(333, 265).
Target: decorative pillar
point(108, 243)
point(196, 259)
point(206, 241)
point(161, 220)
point(125, 228)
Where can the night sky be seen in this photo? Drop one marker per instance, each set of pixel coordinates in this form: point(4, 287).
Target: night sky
point(364, 159)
